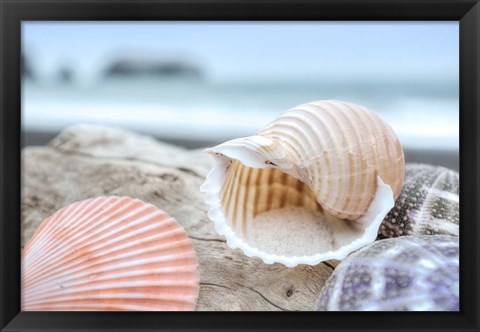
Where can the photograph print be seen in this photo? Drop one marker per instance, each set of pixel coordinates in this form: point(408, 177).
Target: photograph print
point(240, 166)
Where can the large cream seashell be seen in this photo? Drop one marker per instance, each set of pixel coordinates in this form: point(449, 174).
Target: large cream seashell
point(312, 185)
point(109, 253)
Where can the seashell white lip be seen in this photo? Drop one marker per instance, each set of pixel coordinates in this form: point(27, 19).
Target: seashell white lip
point(263, 200)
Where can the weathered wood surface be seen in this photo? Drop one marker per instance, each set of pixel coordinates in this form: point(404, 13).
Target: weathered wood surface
point(89, 161)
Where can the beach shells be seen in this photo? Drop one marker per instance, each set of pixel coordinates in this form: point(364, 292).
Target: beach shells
point(408, 273)
point(312, 185)
point(427, 205)
point(109, 253)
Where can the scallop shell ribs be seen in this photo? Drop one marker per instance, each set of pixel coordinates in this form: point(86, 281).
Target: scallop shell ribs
point(109, 253)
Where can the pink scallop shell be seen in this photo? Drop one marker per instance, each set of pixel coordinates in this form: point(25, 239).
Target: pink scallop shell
point(109, 253)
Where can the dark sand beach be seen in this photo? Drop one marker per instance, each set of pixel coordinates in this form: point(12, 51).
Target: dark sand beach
point(439, 157)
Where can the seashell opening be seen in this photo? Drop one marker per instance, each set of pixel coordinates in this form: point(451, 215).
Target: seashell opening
point(313, 185)
point(262, 207)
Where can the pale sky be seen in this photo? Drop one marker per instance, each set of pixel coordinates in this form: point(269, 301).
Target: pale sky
point(255, 50)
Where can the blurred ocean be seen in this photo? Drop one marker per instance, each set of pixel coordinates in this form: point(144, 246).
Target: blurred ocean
point(424, 114)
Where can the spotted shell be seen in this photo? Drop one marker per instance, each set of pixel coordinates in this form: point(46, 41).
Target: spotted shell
point(336, 160)
point(109, 253)
point(408, 273)
point(427, 205)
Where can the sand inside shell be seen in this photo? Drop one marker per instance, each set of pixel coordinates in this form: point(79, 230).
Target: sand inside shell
point(291, 231)
point(274, 215)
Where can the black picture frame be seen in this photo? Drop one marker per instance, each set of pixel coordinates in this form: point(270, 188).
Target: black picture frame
point(13, 12)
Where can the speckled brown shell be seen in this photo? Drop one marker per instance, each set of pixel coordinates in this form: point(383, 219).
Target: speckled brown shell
point(429, 203)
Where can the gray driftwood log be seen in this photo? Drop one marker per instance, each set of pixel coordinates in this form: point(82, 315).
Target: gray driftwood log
point(89, 161)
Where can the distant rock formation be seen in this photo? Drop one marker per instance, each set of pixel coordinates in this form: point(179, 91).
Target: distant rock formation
point(162, 68)
point(65, 75)
point(25, 68)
